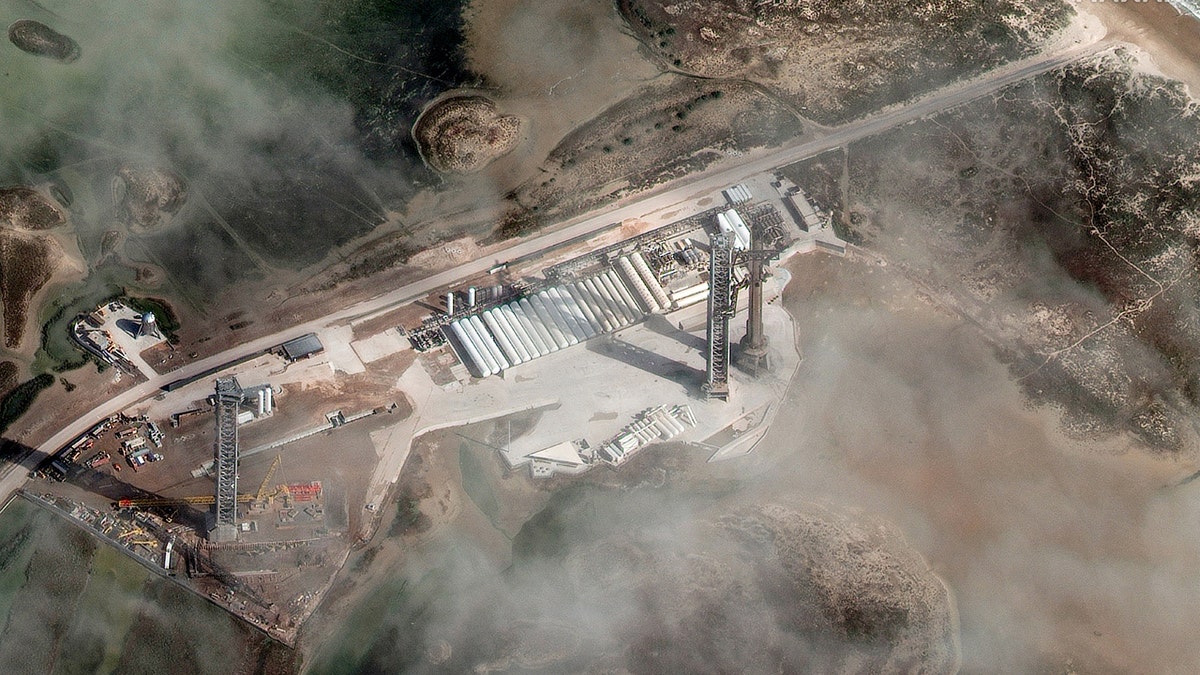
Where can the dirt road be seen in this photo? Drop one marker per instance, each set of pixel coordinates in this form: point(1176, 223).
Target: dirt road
point(728, 172)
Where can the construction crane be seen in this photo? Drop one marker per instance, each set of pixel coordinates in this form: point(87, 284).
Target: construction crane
point(262, 488)
point(171, 501)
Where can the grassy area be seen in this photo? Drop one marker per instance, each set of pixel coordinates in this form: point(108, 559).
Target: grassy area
point(16, 402)
point(19, 525)
point(70, 604)
point(58, 353)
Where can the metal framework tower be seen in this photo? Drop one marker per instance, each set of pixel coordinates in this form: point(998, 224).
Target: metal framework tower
point(720, 309)
point(753, 355)
point(229, 397)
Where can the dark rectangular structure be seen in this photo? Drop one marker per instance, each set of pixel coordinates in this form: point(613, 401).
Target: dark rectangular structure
point(305, 345)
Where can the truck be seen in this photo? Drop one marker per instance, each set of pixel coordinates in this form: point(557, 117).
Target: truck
point(126, 433)
point(99, 459)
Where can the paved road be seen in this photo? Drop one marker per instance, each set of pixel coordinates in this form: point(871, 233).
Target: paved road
point(728, 172)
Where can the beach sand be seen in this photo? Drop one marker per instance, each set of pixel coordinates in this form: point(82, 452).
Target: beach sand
point(1172, 39)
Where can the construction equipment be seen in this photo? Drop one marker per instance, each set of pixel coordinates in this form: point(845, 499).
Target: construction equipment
point(261, 496)
point(208, 500)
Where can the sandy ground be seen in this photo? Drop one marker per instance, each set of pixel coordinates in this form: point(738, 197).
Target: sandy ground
point(1173, 40)
point(555, 64)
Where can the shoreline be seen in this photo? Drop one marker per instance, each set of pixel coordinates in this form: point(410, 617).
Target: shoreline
point(1167, 30)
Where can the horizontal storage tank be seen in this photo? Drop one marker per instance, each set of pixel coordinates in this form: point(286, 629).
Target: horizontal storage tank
point(469, 331)
point(596, 305)
point(684, 292)
point(516, 334)
point(538, 324)
point(562, 337)
point(651, 281)
point(474, 359)
point(724, 226)
point(509, 312)
point(692, 299)
point(622, 294)
point(518, 312)
point(502, 338)
point(612, 284)
point(610, 311)
point(664, 432)
point(739, 228)
point(572, 315)
point(579, 301)
point(561, 320)
point(488, 342)
point(634, 283)
point(613, 300)
point(481, 341)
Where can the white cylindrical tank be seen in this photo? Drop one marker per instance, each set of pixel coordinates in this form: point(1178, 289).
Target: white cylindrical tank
point(724, 226)
point(506, 345)
point(692, 299)
point(615, 303)
point(589, 305)
point(739, 228)
point(556, 316)
point(683, 298)
point(471, 296)
point(664, 432)
point(270, 399)
point(635, 283)
point(613, 284)
point(556, 331)
point(651, 281)
point(519, 314)
point(684, 292)
point(262, 402)
point(473, 334)
point(450, 303)
point(606, 309)
point(626, 296)
point(516, 334)
point(539, 324)
point(489, 342)
point(574, 313)
point(476, 359)
point(592, 306)
point(513, 332)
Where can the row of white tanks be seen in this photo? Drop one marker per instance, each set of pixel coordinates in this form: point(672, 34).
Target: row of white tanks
point(545, 322)
point(642, 280)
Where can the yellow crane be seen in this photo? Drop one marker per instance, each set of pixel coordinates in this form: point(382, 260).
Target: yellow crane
point(168, 501)
point(208, 500)
point(261, 497)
